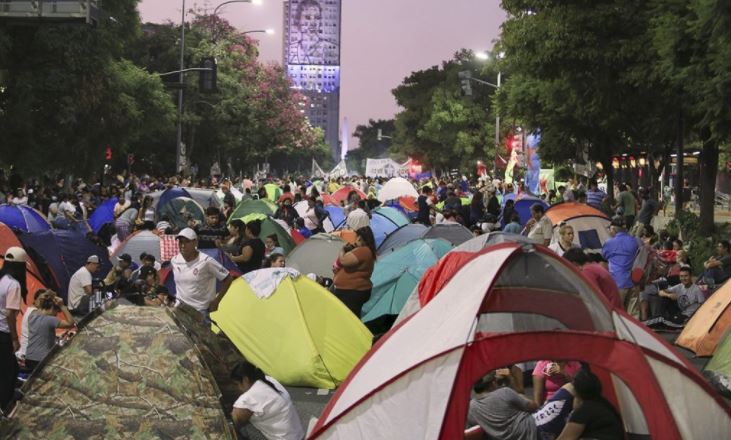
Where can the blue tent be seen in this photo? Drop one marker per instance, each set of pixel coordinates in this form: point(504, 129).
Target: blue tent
point(102, 215)
point(337, 215)
point(522, 207)
point(397, 274)
point(401, 236)
point(168, 278)
point(170, 194)
point(64, 252)
point(23, 218)
point(393, 214)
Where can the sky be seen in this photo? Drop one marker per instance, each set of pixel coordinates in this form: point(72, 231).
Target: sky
point(382, 41)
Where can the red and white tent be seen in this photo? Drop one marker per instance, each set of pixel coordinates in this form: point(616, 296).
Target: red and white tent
point(512, 304)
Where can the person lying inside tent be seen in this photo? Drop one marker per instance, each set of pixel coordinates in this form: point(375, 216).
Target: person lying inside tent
point(502, 413)
point(265, 404)
point(676, 303)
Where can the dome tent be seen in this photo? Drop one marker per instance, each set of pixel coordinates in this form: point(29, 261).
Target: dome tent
point(316, 255)
point(511, 304)
point(590, 225)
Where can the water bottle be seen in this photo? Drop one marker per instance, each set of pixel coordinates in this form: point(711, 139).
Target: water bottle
point(92, 300)
point(98, 299)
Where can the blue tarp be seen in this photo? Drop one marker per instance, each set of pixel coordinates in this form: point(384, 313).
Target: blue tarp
point(522, 207)
point(64, 252)
point(23, 218)
point(102, 215)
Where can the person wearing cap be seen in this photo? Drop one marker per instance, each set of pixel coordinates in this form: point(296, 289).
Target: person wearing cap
point(120, 275)
point(620, 252)
point(196, 274)
point(80, 286)
point(12, 292)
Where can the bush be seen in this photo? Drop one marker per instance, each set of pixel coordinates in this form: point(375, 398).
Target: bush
point(699, 247)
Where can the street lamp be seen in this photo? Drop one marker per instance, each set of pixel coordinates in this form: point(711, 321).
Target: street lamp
point(180, 147)
point(486, 56)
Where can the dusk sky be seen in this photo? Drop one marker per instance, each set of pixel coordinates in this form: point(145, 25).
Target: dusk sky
point(382, 41)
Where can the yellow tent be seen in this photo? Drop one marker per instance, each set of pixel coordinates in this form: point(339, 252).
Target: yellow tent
point(301, 335)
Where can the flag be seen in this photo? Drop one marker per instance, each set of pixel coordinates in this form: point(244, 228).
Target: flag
point(533, 163)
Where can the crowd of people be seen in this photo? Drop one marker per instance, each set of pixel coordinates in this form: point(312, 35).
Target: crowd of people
point(645, 273)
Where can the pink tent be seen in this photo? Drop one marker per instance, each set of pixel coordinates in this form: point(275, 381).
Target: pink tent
point(507, 305)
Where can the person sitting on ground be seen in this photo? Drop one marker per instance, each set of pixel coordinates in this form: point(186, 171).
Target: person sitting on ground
point(271, 245)
point(550, 376)
point(687, 296)
point(514, 226)
point(120, 277)
point(502, 413)
point(565, 240)
point(149, 291)
point(265, 404)
point(718, 267)
point(80, 286)
point(42, 325)
point(597, 275)
point(213, 229)
point(593, 416)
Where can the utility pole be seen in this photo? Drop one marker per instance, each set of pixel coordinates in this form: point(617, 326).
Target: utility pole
point(180, 147)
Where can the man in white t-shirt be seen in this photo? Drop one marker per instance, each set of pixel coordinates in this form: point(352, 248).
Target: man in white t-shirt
point(539, 227)
point(10, 300)
point(80, 286)
point(196, 274)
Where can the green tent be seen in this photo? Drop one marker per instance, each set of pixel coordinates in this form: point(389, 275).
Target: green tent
point(270, 226)
point(132, 372)
point(180, 210)
point(273, 191)
point(397, 274)
point(247, 207)
point(718, 370)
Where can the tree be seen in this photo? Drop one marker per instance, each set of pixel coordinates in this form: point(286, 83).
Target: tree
point(438, 126)
point(583, 73)
point(370, 145)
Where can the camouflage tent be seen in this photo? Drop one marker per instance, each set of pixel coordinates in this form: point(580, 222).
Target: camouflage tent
point(133, 372)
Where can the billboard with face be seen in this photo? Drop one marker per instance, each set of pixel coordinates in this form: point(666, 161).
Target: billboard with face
point(314, 32)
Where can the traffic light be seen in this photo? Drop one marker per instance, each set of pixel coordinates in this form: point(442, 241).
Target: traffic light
point(464, 78)
point(108, 153)
point(207, 80)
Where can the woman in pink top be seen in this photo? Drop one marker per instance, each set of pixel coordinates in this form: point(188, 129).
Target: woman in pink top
point(550, 376)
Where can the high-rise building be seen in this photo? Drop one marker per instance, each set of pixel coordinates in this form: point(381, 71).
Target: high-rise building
point(312, 59)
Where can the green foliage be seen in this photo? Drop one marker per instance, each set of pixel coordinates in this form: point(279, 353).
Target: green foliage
point(440, 127)
point(700, 247)
point(370, 146)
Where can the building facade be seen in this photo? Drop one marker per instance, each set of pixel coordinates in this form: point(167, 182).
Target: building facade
point(312, 59)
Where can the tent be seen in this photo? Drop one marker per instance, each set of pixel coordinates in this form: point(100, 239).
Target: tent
point(316, 255)
point(170, 194)
point(180, 211)
point(207, 197)
point(167, 277)
point(590, 225)
point(102, 215)
point(130, 373)
point(401, 236)
point(512, 304)
point(140, 242)
point(8, 240)
point(336, 218)
point(393, 214)
point(480, 242)
point(709, 323)
point(204, 197)
point(23, 218)
point(718, 370)
point(248, 207)
point(523, 204)
point(452, 232)
point(63, 253)
point(396, 188)
point(341, 195)
point(301, 335)
point(273, 191)
point(270, 226)
point(397, 273)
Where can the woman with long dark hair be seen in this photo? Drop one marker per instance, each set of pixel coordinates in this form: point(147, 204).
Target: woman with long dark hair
point(353, 270)
point(12, 293)
point(252, 250)
point(265, 403)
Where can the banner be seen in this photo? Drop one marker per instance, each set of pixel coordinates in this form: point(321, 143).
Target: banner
point(316, 170)
point(385, 168)
point(340, 170)
point(313, 32)
point(533, 163)
point(547, 180)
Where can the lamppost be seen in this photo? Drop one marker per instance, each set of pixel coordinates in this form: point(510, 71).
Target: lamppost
point(486, 56)
point(180, 147)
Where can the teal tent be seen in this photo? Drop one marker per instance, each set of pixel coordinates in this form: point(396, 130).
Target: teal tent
point(397, 273)
point(393, 214)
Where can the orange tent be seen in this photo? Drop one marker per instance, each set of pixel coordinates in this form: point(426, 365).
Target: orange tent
point(567, 210)
point(590, 225)
point(708, 324)
point(32, 283)
point(7, 240)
